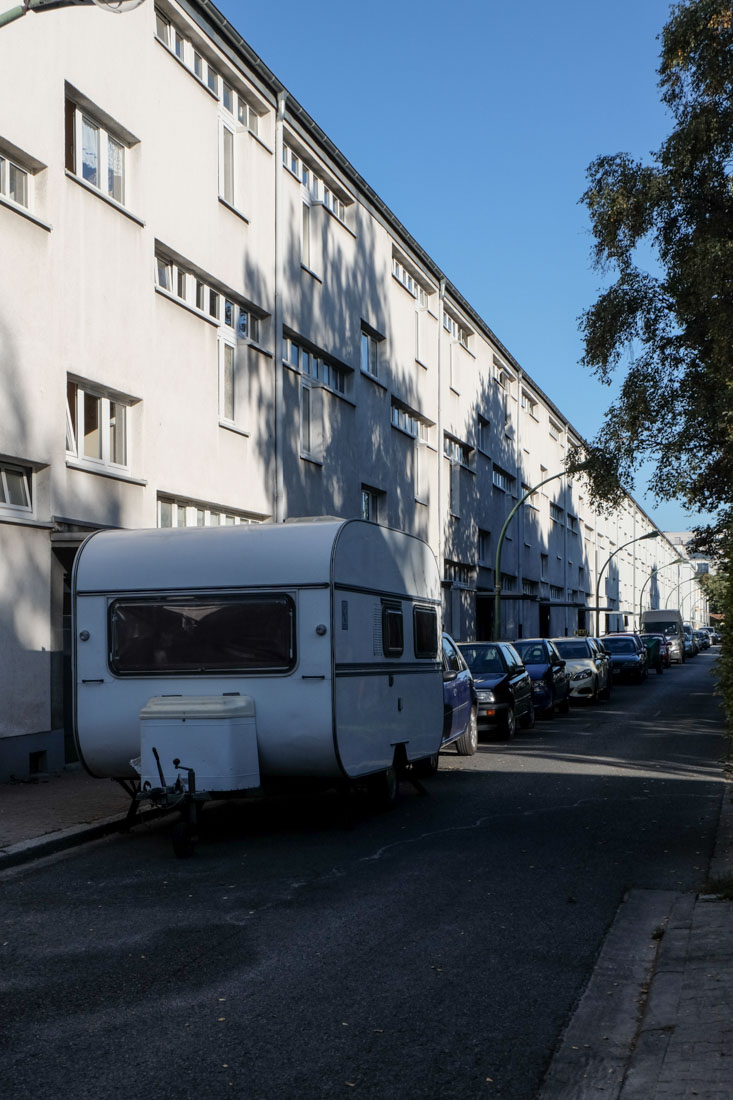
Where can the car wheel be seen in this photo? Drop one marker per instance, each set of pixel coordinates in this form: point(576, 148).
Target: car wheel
point(467, 743)
point(527, 720)
point(427, 766)
point(508, 724)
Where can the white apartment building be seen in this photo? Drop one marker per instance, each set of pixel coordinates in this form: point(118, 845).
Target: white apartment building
point(207, 316)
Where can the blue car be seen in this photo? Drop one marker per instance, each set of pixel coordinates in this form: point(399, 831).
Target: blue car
point(460, 708)
point(550, 678)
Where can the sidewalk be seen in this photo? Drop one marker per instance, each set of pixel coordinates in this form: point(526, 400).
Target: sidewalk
point(52, 812)
point(656, 1019)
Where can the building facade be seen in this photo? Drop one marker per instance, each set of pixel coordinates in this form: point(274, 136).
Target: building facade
point(207, 316)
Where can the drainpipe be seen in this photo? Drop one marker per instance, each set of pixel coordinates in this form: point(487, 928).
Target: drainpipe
point(279, 501)
point(441, 460)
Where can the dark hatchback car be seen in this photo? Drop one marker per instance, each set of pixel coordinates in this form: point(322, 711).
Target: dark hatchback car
point(503, 686)
point(628, 655)
point(550, 678)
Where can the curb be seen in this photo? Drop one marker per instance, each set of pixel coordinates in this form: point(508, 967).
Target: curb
point(51, 843)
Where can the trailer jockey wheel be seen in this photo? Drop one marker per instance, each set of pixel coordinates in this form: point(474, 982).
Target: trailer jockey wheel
point(384, 787)
point(182, 839)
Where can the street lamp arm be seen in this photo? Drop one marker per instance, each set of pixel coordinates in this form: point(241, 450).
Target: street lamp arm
point(655, 570)
point(500, 543)
point(118, 7)
point(639, 538)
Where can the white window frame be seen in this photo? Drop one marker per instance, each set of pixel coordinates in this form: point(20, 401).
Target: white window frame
point(311, 420)
point(227, 176)
point(25, 475)
point(199, 514)
point(109, 407)
point(371, 504)
point(10, 168)
point(369, 355)
point(229, 382)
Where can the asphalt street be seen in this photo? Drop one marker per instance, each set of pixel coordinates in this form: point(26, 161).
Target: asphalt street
point(317, 949)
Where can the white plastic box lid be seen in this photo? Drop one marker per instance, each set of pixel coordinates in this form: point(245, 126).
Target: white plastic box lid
point(198, 706)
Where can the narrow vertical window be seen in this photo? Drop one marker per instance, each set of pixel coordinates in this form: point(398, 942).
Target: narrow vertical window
point(117, 433)
point(90, 152)
point(227, 165)
point(92, 426)
point(115, 170)
point(305, 254)
point(305, 419)
point(227, 382)
point(70, 136)
point(179, 46)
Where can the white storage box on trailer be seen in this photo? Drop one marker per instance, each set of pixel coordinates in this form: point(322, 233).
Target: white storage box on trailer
point(219, 733)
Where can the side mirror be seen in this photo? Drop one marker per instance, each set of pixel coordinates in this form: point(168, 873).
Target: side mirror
point(449, 675)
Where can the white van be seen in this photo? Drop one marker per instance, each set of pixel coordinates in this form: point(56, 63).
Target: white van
point(666, 621)
point(213, 660)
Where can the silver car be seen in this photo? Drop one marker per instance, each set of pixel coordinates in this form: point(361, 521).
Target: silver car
point(590, 676)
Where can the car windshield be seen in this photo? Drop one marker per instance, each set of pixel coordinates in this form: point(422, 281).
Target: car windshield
point(531, 653)
point(619, 645)
point(482, 659)
point(661, 626)
point(572, 649)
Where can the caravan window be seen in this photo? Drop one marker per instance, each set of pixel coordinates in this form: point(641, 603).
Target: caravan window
point(189, 634)
point(425, 629)
point(393, 642)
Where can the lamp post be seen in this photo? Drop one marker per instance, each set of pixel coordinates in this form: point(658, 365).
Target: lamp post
point(639, 538)
point(687, 580)
point(500, 544)
point(118, 7)
point(655, 570)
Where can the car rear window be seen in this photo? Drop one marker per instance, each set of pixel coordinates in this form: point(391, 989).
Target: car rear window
point(572, 649)
point(482, 659)
point(619, 645)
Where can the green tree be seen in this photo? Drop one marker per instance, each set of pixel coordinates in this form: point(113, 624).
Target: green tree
point(670, 325)
point(716, 587)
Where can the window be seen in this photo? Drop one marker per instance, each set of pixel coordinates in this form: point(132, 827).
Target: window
point(425, 632)
point(544, 563)
point(458, 452)
point(456, 329)
point(451, 658)
point(199, 294)
point(226, 175)
point(96, 426)
point(556, 513)
point(227, 383)
point(187, 634)
point(409, 282)
point(483, 434)
point(408, 421)
point(314, 364)
point(95, 153)
point(371, 503)
point(484, 542)
point(175, 512)
point(502, 480)
point(15, 488)
point(370, 353)
point(554, 429)
point(458, 573)
point(162, 28)
point(13, 182)
point(311, 421)
point(529, 404)
point(573, 524)
point(556, 593)
point(393, 642)
point(313, 184)
point(305, 236)
point(530, 588)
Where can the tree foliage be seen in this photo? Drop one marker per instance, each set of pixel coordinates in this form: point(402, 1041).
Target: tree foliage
point(670, 329)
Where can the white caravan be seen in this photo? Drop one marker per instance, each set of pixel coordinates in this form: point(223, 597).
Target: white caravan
point(212, 660)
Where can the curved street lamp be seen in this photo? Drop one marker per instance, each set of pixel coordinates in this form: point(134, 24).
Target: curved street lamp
point(655, 570)
point(677, 588)
point(499, 545)
point(117, 7)
point(639, 538)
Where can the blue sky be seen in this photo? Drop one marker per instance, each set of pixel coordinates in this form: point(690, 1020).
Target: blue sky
point(475, 122)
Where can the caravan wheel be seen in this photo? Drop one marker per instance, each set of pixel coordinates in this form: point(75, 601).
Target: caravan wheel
point(384, 787)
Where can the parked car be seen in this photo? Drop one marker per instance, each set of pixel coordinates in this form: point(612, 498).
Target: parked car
point(550, 678)
point(503, 686)
point(460, 705)
point(657, 648)
point(665, 649)
point(605, 659)
point(629, 657)
point(589, 670)
point(702, 638)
